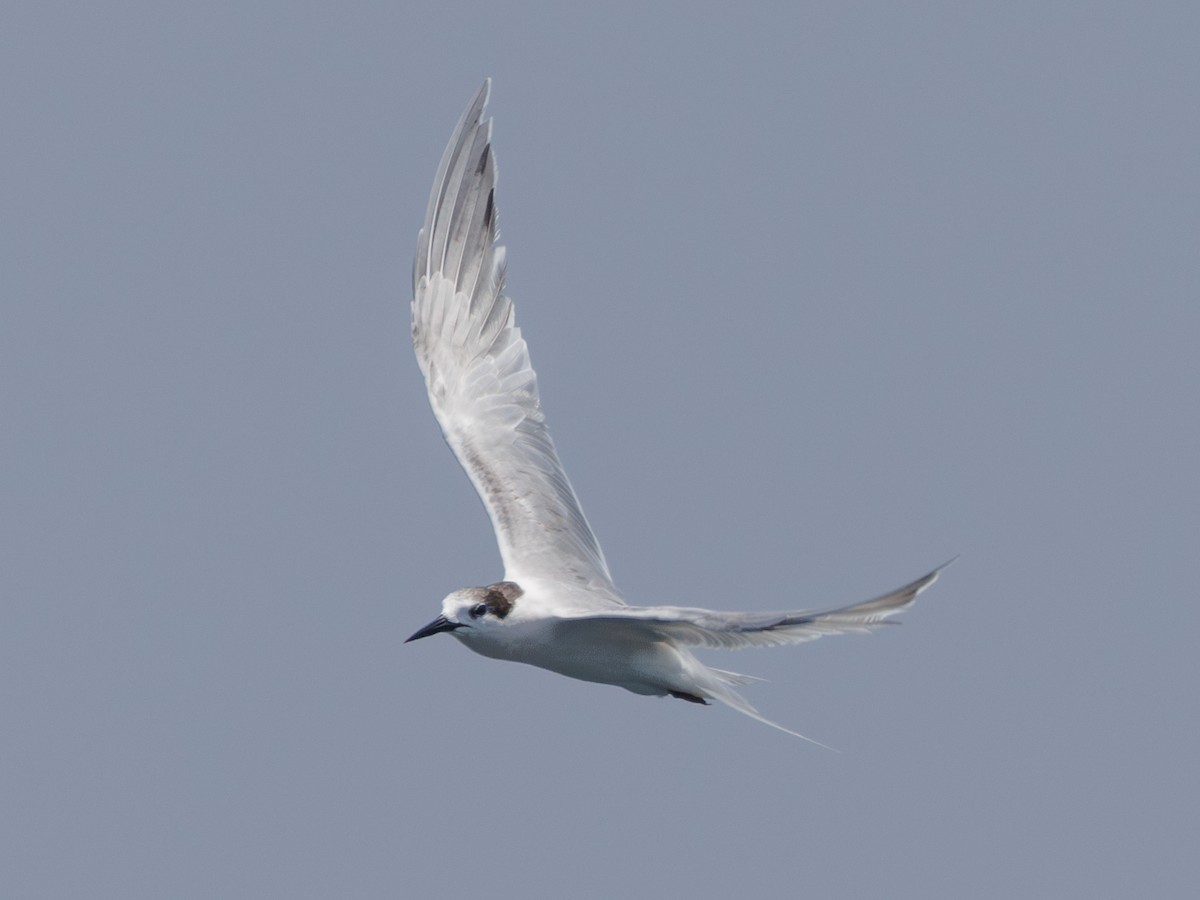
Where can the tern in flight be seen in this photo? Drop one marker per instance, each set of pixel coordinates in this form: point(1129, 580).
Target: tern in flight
point(557, 607)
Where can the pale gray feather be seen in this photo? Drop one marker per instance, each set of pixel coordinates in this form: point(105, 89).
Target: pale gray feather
point(481, 385)
point(735, 630)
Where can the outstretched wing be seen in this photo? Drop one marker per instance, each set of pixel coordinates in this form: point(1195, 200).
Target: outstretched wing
point(733, 631)
point(481, 385)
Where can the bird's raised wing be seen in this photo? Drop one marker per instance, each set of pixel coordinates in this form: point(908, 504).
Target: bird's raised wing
point(734, 631)
point(481, 385)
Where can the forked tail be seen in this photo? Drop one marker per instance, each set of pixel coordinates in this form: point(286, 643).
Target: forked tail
point(716, 686)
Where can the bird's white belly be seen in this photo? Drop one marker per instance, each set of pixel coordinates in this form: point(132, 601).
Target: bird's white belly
point(593, 651)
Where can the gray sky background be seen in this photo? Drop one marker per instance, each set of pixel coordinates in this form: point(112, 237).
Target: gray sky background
point(819, 297)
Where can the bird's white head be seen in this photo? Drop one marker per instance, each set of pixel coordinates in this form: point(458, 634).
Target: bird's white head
point(474, 612)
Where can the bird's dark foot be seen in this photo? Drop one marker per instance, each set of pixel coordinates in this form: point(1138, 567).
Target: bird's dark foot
point(690, 698)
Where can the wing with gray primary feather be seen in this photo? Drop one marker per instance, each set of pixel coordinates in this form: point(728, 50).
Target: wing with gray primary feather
point(481, 385)
point(734, 631)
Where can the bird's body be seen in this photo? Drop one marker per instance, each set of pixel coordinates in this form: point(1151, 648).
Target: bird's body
point(590, 651)
point(558, 607)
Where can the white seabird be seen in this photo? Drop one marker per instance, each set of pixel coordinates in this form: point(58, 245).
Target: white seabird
point(557, 606)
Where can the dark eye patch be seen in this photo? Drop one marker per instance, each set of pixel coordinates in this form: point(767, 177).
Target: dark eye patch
point(478, 610)
point(500, 597)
